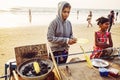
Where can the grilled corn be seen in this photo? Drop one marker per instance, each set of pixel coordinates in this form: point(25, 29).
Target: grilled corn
point(36, 67)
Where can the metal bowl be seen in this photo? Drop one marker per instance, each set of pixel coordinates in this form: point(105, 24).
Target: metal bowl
point(39, 77)
point(100, 63)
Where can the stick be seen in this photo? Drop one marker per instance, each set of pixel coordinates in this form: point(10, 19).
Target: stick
point(55, 64)
point(15, 75)
point(11, 78)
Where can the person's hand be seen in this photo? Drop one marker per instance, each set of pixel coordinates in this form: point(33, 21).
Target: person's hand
point(72, 41)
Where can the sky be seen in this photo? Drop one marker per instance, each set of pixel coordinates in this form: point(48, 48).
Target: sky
point(90, 4)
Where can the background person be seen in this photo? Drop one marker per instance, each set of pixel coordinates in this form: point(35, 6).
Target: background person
point(89, 18)
point(30, 16)
point(77, 14)
point(116, 16)
point(111, 19)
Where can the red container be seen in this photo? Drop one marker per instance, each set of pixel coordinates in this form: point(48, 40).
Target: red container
point(113, 72)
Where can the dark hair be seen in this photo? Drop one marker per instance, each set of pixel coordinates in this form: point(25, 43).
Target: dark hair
point(67, 5)
point(112, 11)
point(102, 20)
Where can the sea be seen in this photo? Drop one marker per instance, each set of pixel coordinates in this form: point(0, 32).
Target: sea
point(19, 16)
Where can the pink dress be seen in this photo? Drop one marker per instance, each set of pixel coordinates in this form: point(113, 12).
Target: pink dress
point(101, 38)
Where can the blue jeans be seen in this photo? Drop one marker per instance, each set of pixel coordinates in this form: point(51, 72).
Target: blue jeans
point(61, 56)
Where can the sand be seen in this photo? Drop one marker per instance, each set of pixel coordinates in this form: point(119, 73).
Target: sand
point(20, 36)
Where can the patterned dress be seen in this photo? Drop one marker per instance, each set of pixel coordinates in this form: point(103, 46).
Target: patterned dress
point(101, 38)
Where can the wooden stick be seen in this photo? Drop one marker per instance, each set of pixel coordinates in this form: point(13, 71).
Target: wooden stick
point(11, 78)
point(55, 64)
point(15, 75)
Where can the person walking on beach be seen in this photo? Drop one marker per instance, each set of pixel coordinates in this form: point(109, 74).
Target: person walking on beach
point(77, 14)
point(89, 18)
point(116, 16)
point(60, 34)
point(103, 38)
point(111, 19)
point(30, 16)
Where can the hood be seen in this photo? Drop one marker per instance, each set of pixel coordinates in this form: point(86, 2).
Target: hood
point(60, 7)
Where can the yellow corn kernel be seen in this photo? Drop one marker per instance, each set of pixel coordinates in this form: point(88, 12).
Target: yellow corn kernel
point(36, 67)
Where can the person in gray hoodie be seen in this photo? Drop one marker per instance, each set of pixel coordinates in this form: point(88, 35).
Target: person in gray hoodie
point(60, 34)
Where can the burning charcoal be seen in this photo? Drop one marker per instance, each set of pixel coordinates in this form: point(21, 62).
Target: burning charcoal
point(29, 67)
point(43, 64)
point(43, 67)
point(49, 67)
point(26, 70)
point(33, 72)
point(32, 68)
point(45, 70)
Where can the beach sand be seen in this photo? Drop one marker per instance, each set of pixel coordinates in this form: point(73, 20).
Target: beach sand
point(30, 35)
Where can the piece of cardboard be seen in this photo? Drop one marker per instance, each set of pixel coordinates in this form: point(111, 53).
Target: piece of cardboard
point(27, 52)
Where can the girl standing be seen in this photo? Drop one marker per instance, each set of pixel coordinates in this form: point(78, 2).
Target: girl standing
point(60, 34)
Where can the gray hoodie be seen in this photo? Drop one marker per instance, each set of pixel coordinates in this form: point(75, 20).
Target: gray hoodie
point(59, 31)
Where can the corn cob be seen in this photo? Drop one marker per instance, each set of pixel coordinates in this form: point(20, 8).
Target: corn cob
point(36, 67)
